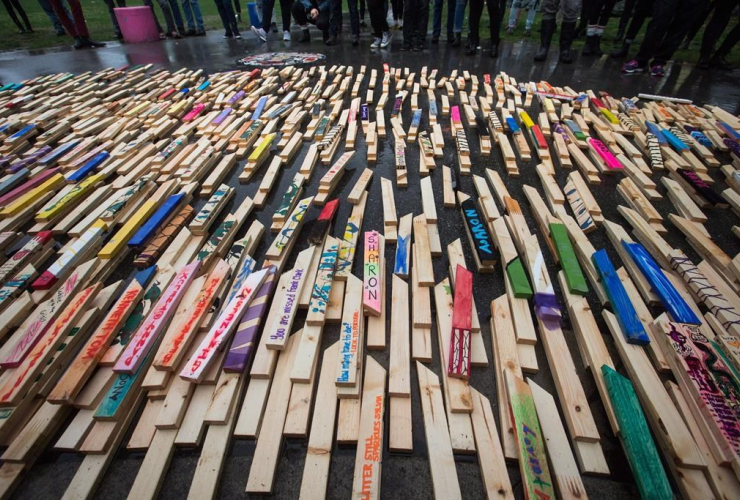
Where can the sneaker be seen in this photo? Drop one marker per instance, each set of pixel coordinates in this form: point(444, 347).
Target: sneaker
point(228, 35)
point(657, 70)
point(259, 33)
point(386, 40)
point(305, 36)
point(355, 40)
point(376, 43)
point(405, 46)
point(286, 36)
point(238, 35)
point(200, 32)
point(633, 67)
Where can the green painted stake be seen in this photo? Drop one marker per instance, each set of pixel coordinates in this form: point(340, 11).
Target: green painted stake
point(636, 438)
point(518, 279)
point(568, 260)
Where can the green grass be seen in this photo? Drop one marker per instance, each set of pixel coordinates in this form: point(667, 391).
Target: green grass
point(96, 14)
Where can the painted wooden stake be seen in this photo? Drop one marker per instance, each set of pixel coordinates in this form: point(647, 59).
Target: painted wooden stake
point(221, 330)
point(366, 483)
point(373, 281)
point(459, 362)
point(139, 346)
point(350, 334)
point(290, 229)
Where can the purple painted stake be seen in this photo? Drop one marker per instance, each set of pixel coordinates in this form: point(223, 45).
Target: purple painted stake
point(236, 98)
point(221, 116)
point(244, 343)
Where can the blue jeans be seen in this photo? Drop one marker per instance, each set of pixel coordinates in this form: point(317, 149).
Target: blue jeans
point(193, 16)
point(49, 11)
point(437, 20)
point(460, 15)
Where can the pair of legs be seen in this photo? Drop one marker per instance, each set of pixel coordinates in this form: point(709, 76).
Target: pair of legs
point(516, 8)
point(698, 22)
point(437, 19)
point(75, 27)
point(570, 11)
point(193, 16)
point(598, 12)
point(643, 9)
point(378, 10)
point(111, 5)
point(228, 18)
point(416, 17)
point(268, 6)
point(397, 6)
point(49, 11)
point(495, 11)
point(13, 6)
point(668, 26)
point(713, 31)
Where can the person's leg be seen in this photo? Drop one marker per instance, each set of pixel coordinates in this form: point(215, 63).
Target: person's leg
point(149, 4)
point(459, 15)
point(409, 8)
point(496, 9)
point(437, 20)
point(531, 12)
point(113, 19)
point(168, 19)
point(663, 13)
point(699, 20)
point(476, 11)
point(198, 15)
point(66, 21)
point(46, 7)
point(335, 19)
point(516, 6)
point(224, 20)
point(719, 60)
point(179, 24)
point(267, 7)
point(628, 7)
point(285, 7)
point(79, 18)
point(9, 7)
point(571, 9)
point(188, 12)
point(422, 23)
point(378, 17)
point(547, 27)
point(354, 17)
point(22, 13)
point(686, 12)
point(451, 5)
point(716, 25)
point(643, 9)
point(323, 23)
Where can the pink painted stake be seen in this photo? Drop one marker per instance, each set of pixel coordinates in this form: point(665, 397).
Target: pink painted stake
point(609, 159)
point(372, 289)
point(138, 347)
point(455, 113)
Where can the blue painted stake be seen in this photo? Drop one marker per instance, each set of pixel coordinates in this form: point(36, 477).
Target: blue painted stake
point(147, 230)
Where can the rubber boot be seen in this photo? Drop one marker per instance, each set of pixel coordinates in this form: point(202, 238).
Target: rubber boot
point(567, 34)
point(588, 47)
point(471, 47)
point(547, 29)
point(597, 46)
point(457, 40)
point(494, 50)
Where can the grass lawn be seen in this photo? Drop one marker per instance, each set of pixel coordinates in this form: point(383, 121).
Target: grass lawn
point(100, 27)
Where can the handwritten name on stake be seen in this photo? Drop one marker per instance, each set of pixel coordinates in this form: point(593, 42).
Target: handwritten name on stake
point(221, 330)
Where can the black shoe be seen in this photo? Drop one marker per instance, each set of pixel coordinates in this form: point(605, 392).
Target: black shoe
point(704, 62)
point(200, 33)
point(588, 47)
point(494, 50)
point(620, 35)
point(471, 48)
point(406, 46)
point(228, 34)
point(79, 44)
point(597, 46)
point(305, 36)
point(355, 40)
point(190, 33)
point(621, 52)
point(22, 31)
point(435, 39)
point(721, 62)
point(363, 24)
point(450, 37)
point(418, 47)
point(567, 35)
point(547, 29)
point(457, 40)
point(92, 43)
point(332, 40)
point(118, 36)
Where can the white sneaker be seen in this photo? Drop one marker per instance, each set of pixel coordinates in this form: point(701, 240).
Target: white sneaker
point(386, 41)
point(376, 43)
point(259, 33)
point(286, 36)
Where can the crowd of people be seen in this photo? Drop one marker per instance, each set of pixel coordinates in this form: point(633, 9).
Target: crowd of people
point(673, 24)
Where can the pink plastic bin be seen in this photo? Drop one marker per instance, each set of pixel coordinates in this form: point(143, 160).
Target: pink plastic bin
point(137, 24)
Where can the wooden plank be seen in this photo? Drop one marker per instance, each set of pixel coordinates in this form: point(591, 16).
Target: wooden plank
point(448, 191)
point(636, 439)
point(421, 337)
point(366, 483)
point(349, 240)
point(321, 439)
point(373, 280)
point(360, 186)
point(567, 478)
point(490, 456)
point(460, 338)
point(351, 334)
point(534, 469)
point(399, 368)
point(266, 454)
point(376, 325)
point(423, 255)
point(439, 449)
point(403, 246)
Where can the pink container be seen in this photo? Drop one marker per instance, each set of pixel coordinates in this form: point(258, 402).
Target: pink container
point(137, 24)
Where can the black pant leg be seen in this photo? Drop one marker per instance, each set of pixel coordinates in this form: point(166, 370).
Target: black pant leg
point(422, 21)
point(716, 25)
point(476, 12)
point(729, 42)
point(285, 7)
point(663, 13)
point(22, 13)
point(299, 14)
point(377, 11)
point(686, 13)
point(11, 13)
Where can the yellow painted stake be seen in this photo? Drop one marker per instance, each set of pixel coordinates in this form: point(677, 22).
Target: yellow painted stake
point(119, 240)
point(86, 185)
point(33, 195)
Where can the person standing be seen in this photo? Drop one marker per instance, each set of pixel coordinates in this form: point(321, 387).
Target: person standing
point(627, 8)
point(194, 18)
point(516, 8)
point(307, 12)
point(172, 17)
point(113, 19)
point(13, 6)
point(669, 24)
point(416, 17)
point(58, 27)
point(643, 9)
point(228, 19)
point(495, 10)
point(550, 8)
point(598, 15)
point(354, 21)
point(717, 24)
point(379, 22)
point(437, 20)
point(75, 27)
point(267, 8)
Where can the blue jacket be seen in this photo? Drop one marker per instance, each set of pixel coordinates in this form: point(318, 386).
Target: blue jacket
point(323, 6)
